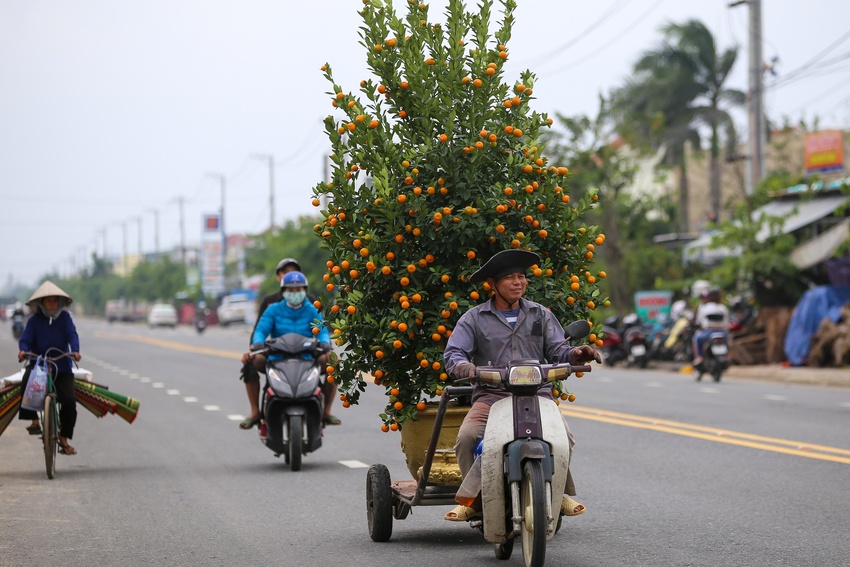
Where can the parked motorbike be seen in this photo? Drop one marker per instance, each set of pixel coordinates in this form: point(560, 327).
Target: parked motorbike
point(625, 340)
point(292, 400)
point(715, 356)
point(525, 457)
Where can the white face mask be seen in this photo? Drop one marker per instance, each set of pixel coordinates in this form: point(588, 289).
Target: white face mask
point(295, 298)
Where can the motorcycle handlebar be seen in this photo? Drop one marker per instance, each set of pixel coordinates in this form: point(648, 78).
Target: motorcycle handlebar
point(580, 368)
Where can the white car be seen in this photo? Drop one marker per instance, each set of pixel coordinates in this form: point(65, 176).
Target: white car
point(162, 315)
point(233, 309)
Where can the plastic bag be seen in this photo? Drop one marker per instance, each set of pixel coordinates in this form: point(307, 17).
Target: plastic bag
point(36, 391)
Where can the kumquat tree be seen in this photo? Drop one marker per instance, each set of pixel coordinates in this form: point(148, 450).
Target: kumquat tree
point(436, 166)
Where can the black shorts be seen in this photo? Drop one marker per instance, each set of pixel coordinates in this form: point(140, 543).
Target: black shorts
point(249, 373)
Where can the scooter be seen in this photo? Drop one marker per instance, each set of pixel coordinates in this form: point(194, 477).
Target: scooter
point(292, 400)
point(624, 340)
point(525, 457)
point(716, 356)
point(201, 320)
point(17, 326)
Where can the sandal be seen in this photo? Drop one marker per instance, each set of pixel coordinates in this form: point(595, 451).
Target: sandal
point(570, 507)
point(331, 420)
point(34, 429)
point(249, 422)
point(462, 514)
point(66, 449)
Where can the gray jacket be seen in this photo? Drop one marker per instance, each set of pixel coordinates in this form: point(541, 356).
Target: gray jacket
point(484, 337)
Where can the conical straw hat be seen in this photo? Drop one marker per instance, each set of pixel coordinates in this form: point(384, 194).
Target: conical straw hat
point(48, 289)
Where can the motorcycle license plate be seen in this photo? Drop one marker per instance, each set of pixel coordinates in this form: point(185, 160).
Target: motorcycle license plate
point(638, 350)
point(719, 349)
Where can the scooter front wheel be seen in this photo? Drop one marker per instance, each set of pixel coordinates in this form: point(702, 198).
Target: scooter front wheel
point(533, 509)
point(295, 442)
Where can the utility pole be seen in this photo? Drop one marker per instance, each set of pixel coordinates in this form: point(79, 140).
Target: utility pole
point(182, 232)
point(270, 159)
point(139, 220)
point(155, 232)
point(755, 98)
point(124, 248)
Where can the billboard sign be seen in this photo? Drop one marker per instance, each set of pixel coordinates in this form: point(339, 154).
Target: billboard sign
point(212, 256)
point(650, 304)
point(824, 151)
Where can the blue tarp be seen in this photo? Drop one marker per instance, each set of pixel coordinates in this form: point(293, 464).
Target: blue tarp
point(817, 303)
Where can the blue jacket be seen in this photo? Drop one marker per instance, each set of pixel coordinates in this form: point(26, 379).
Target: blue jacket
point(42, 333)
point(279, 319)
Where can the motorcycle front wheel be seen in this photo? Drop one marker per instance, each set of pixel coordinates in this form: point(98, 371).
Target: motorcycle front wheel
point(533, 509)
point(294, 442)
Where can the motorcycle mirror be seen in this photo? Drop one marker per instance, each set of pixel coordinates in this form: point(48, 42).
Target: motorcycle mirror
point(578, 328)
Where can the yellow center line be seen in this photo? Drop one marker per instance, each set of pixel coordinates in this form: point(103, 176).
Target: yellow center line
point(773, 444)
point(171, 344)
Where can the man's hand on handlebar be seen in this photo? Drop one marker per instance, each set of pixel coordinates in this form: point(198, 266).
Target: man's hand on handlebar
point(584, 353)
point(464, 371)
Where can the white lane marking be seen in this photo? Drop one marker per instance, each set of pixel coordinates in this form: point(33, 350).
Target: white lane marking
point(144, 380)
point(709, 390)
point(124, 372)
point(845, 404)
point(212, 408)
point(133, 376)
point(235, 417)
point(603, 379)
point(173, 392)
point(190, 399)
point(775, 398)
point(653, 384)
point(354, 464)
point(158, 385)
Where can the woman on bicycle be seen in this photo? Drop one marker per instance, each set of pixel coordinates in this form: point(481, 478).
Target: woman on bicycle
point(52, 327)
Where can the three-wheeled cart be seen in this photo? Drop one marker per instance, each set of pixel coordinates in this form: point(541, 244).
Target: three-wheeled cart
point(386, 499)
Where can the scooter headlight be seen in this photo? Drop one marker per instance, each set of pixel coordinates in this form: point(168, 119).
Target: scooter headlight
point(525, 376)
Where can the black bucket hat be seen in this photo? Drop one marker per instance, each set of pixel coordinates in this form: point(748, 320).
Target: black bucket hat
point(504, 263)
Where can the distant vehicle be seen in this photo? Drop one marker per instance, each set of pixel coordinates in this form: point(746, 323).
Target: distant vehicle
point(233, 309)
point(162, 315)
point(122, 310)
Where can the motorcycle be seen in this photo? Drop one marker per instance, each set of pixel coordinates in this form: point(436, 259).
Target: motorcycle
point(715, 356)
point(292, 401)
point(201, 320)
point(525, 456)
point(17, 325)
point(625, 340)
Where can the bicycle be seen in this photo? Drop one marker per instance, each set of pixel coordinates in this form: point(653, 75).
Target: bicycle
point(49, 416)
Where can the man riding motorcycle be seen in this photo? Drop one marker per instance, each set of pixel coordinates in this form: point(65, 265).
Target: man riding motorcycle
point(710, 317)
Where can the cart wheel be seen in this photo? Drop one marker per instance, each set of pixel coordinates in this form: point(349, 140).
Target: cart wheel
point(379, 503)
point(504, 550)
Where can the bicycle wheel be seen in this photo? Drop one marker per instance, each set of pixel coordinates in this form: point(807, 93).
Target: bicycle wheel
point(50, 436)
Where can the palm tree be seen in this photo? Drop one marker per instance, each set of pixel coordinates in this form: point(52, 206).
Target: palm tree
point(677, 88)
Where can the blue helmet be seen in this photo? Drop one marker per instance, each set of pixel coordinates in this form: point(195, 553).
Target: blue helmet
point(293, 279)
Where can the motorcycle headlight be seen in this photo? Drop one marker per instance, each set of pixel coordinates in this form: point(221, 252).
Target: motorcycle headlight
point(275, 376)
point(525, 376)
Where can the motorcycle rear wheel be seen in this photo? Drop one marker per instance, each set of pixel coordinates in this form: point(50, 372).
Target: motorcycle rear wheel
point(503, 550)
point(533, 509)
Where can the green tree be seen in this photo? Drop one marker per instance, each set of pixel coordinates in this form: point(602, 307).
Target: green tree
point(455, 172)
point(677, 88)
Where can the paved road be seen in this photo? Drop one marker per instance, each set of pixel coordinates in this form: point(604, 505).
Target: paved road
point(745, 472)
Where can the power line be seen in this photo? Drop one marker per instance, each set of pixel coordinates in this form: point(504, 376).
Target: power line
point(557, 51)
point(805, 66)
point(616, 37)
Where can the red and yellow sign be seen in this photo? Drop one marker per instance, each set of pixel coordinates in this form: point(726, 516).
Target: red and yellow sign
point(824, 151)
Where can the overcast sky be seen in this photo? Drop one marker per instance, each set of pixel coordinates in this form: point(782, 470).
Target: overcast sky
point(110, 111)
